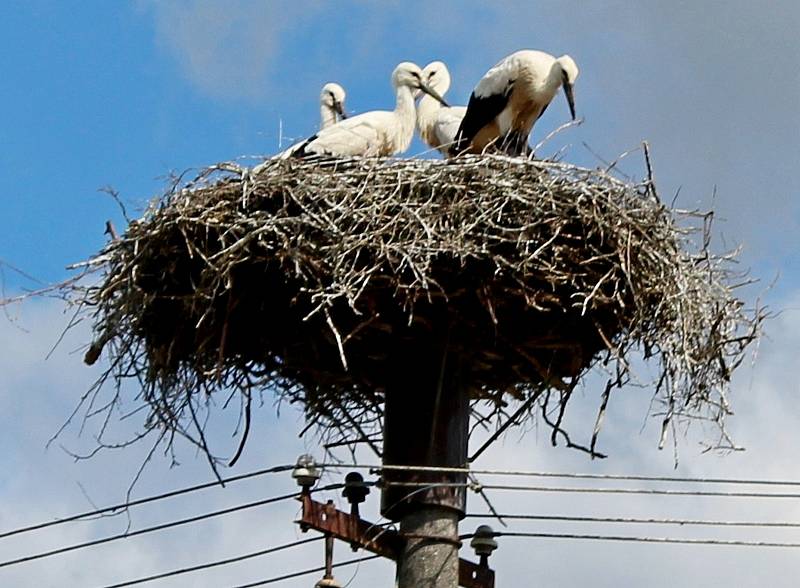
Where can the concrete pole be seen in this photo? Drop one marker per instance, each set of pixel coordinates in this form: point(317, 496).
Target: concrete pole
point(426, 423)
point(430, 557)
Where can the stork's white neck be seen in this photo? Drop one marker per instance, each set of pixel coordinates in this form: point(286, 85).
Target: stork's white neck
point(553, 81)
point(327, 116)
point(406, 115)
point(426, 115)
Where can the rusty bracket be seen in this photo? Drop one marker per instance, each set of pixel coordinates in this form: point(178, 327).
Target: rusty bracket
point(388, 543)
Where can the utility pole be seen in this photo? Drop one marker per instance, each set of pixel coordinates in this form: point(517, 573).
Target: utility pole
point(426, 423)
point(430, 556)
point(395, 545)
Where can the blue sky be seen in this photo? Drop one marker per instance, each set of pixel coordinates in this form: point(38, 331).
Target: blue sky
point(100, 93)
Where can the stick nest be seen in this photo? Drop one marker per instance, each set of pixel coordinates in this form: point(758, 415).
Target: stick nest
point(319, 280)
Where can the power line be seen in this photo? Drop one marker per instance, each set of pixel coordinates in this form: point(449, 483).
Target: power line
point(220, 562)
point(162, 526)
point(641, 491)
point(586, 519)
point(146, 530)
point(306, 572)
point(123, 505)
point(634, 478)
point(579, 476)
point(628, 538)
point(521, 488)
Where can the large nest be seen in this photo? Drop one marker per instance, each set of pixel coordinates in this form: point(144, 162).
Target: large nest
point(319, 280)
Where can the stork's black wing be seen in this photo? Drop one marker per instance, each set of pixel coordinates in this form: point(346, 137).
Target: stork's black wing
point(480, 112)
point(301, 149)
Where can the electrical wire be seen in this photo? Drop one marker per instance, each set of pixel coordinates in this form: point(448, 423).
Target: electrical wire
point(139, 501)
point(657, 492)
point(213, 564)
point(162, 526)
point(579, 476)
point(349, 562)
point(586, 519)
point(470, 485)
point(480, 487)
point(628, 538)
point(634, 478)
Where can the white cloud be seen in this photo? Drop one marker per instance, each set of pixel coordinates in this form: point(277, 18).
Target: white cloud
point(35, 396)
point(712, 86)
point(226, 48)
point(766, 420)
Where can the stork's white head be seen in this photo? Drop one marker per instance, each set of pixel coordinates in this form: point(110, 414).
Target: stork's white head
point(406, 74)
point(409, 75)
point(569, 67)
point(569, 73)
point(332, 96)
point(436, 75)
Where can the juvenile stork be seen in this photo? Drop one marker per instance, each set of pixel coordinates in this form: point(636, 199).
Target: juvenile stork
point(436, 121)
point(379, 132)
point(331, 104)
point(510, 98)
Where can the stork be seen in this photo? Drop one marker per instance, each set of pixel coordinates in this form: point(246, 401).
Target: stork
point(509, 99)
point(331, 104)
point(379, 132)
point(437, 122)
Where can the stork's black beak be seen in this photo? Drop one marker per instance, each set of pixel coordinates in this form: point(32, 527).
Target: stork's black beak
point(431, 92)
point(339, 108)
point(568, 92)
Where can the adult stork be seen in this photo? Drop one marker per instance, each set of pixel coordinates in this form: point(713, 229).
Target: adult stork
point(509, 99)
point(437, 122)
point(379, 132)
point(331, 105)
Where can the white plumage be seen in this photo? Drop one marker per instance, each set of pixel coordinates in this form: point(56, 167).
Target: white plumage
point(437, 122)
point(379, 132)
point(509, 99)
point(331, 104)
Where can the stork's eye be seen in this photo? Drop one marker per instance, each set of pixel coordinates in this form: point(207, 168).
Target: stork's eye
point(433, 73)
